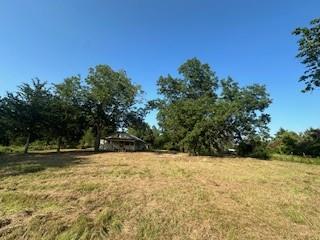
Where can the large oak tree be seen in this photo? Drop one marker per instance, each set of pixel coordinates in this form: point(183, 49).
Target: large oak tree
point(197, 116)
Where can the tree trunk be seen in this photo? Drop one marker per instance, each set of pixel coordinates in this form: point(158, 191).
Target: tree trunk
point(58, 144)
point(26, 146)
point(97, 140)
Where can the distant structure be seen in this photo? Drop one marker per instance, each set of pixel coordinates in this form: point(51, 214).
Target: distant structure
point(122, 142)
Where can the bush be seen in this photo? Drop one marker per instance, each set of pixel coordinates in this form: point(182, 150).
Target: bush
point(260, 152)
point(11, 149)
point(254, 149)
point(42, 145)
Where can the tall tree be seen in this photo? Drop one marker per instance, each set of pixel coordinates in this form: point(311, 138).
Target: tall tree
point(195, 118)
point(183, 99)
point(110, 98)
point(309, 53)
point(27, 110)
point(67, 120)
point(4, 139)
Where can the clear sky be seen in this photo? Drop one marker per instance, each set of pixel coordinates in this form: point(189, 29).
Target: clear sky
point(249, 40)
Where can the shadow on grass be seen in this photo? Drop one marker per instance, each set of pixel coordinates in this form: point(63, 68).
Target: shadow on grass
point(17, 164)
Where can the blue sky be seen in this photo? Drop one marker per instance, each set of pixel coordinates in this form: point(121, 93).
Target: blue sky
point(249, 40)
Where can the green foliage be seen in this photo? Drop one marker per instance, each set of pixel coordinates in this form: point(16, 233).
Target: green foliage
point(110, 98)
point(40, 145)
point(142, 131)
point(309, 53)
point(87, 139)
point(196, 119)
point(254, 148)
point(60, 115)
point(198, 81)
point(25, 113)
point(260, 152)
point(289, 142)
point(11, 149)
point(67, 120)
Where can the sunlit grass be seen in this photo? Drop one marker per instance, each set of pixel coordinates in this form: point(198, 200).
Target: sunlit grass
point(294, 158)
point(156, 196)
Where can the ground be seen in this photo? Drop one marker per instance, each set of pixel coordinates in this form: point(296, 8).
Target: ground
point(81, 195)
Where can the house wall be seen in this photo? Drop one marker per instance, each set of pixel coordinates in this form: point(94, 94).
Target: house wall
point(106, 145)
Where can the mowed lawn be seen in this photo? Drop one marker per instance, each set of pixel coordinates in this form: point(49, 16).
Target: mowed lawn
point(81, 195)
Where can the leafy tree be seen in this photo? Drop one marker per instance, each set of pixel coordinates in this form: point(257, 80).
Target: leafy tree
point(143, 131)
point(183, 100)
point(4, 138)
point(237, 116)
point(310, 142)
point(26, 111)
point(159, 138)
point(309, 53)
point(198, 81)
point(67, 120)
point(195, 118)
point(290, 142)
point(110, 98)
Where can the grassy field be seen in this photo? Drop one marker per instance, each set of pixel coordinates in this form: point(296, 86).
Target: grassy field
point(81, 195)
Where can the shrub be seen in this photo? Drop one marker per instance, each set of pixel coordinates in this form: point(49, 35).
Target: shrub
point(40, 145)
point(260, 152)
point(254, 149)
point(11, 149)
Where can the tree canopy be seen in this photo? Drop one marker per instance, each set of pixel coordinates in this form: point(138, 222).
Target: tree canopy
point(290, 142)
point(110, 100)
point(202, 115)
point(103, 103)
point(309, 53)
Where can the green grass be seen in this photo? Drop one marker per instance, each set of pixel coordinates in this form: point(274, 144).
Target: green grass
point(81, 195)
point(11, 149)
point(35, 146)
point(298, 159)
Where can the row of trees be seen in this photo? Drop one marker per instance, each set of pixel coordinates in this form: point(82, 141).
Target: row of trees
point(289, 142)
point(197, 112)
point(104, 101)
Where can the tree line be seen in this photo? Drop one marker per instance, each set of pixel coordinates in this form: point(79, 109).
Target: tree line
point(288, 142)
point(103, 102)
point(197, 112)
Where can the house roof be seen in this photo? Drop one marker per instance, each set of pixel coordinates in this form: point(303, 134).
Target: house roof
point(124, 136)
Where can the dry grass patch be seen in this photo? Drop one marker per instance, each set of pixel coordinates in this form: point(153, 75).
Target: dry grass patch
point(156, 196)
